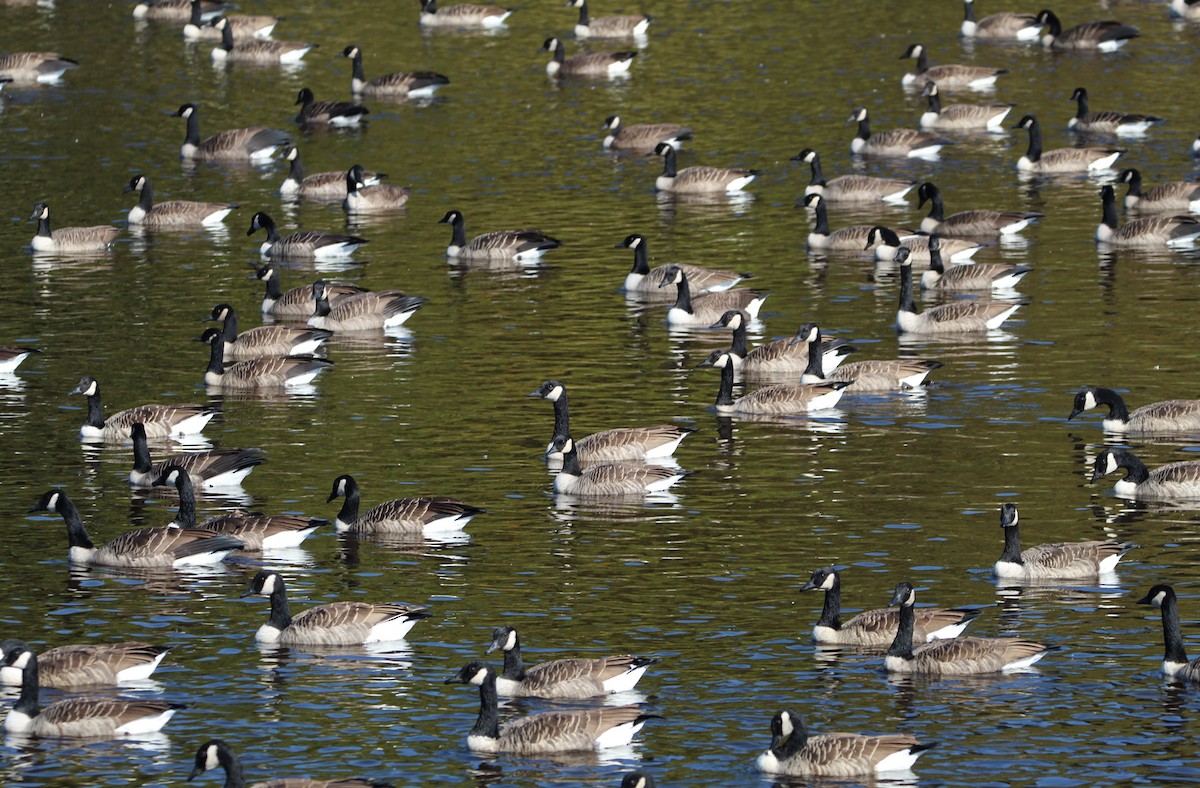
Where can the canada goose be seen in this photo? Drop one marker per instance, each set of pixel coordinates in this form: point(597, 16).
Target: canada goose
point(398, 85)
point(173, 213)
point(178, 10)
point(979, 276)
point(141, 548)
point(844, 239)
point(704, 309)
point(303, 244)
point(877, 628)
point(25, 68)
point(969, 224)
point(643, 280)
point(1061, 159)
point(254, 143)
point(216, 753)
point(1106, 36)
point(563, 679)
point(863, 376)
point(699, 180)
point(520, 245)
point(399, 515)
point(81, 665)
point(217, 468)
point(367, 311)
point(947, 76)
point(379, 198)
point(297, 303)
point(262, 372)
point(244, 25)
point(12, 356)
point(78, 718)
point(1061, 560)
point(1173, 481)
point(617, 26)
point(1108, 122)
point(885, 241)
point(333, 624)
point(585, 64)
point(794, 752)
point(462, 15)
point(780, 355)
point(1174, 415)
point(319, 185)
point(1175, 663)
point(903, 143)
point(266, 340)
point(958, 656)
point(961, 116)
point(332, 113)
point(617, 445)
point(69, 240)
point(160, 421)
point(608, 480)
point(642, 137)
point(1153, 231)
point(852, 188)
point(1173, 196)
point(1185, 9)
point(778, 400)
point(595, 728)
point(952, 318)
point(1004, 26)
point(263, 51)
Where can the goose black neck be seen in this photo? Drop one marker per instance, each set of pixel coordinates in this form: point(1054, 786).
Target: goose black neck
point(296, 170)
point(935, 260)
point(1034, 153)
point(817, 179)
point(562, 416)
point(641, 259)
point(1081, 100)
point(227, 36)
point(1135, 183)
point(195, 19)
point(230, 330)
point(831, 611)
point(739, 347)
point(970, 12)
point(274, 291)
point(77, 535)
point(906, 290)
point(146, 199)
point(349, 510)
point(234, 776)
point(216, 356)
point(935, 98)
point(1172, 635)
point(571, 464)
point(322, 307)
point(1117, 409)
point(186, 517)
point(43, 229)
point(95, 417)
point(683, 294)
point(937, 208)
point(922, 61)
point(458, 232)
point(356, 67)
point(193, 129)
point(488, 723)
point(1137, 470)
point(514, 668)
point(583, 13)
point(821, 227)
point(725, 392)
point(1109, 202)
point(1053, 23)
point(268, 224)
point(864, 129)
point(1012, 545)
point(281, 614)
point(816, 363)
point(669, 162)
point(902, 645)
point(141, 453)
point(560, 52)
point(784, 748)
point(28, 702)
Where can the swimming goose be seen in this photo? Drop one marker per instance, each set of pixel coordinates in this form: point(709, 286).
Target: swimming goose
point(704, 309)
point(1058, 560)
point(27, 68)
point(563, 679)
point(333, 113)
point(600, 727)
point(852, 188)
point(903, 143)
point(254, 143)
point(616, 26)
point(142, 548)
point(1004, 26)
point(961, 656)
point(271, 340)
point(519, 245)
point(616, 445)
point(1185, 9)
point(368, 311)
point(465, 15)
point(211, 469)
point(1173, 196)
point(244, 25)
point(1175, 663)
point(863, 376)
point(1105, 36)
point(79, 718)
point(643, 137)
point(699, 180)
point(797, 753)
point(160, 421)
point(585, 64)
point(333, 624)
point(172, 213)
point(303, 244)
point(1061, 159)
point(261, 372)
point(398, 85)
point(777, 400)
point(12, 356)
point(215, 753)
point(1109, 121)
point(69, 240)
point(608, 480)
point(1175, 415)
point(961, 116)
point(959, 278)
point(319, 185)
point(263, 51)
point(178, 10)
point(399, 515)
point(1170, 482)
point(643, 280)
point(948, 76)
point(377, 198)
point(297, 303)
point(951, 318)
point(779, 355)
point(884, 241)
point(81, 665)
point(877, 628)
point(1152, 231)
point(852, 238)
point(969, 224)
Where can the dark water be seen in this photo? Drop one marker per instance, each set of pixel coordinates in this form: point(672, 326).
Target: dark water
point(890, 487)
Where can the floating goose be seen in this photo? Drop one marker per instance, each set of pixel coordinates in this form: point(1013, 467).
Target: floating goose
point(368, 311)
point(1175, 663)
point(398, 85)
point(902, 143)
point(886, 242)
point(303, 244)
point(970, 224)
point(642, 137)
point(852, 188)
point(215, 753)
point(563, 679)
point(595, 728)
point(27, 68)
point(608, 480)
point(780, 355)
point(948, 77)
point(586, 64)
point(263, 51)
point(699, 180)
point(297, 303)
point(962, 656)
point(468, 15)
point(160, 421)
point(399, 515)
point(519, 245)
point(261, 372)
point(244, 25)
point(332, 113)
point(952, 318)
point(863, 376)
point(333, 624)
point(178, 10)
point(644, 280)
point(877, 628)
point(1004, 26)
point(211, 469)
point(69, 240)
point(319, 185)
point(852, 238)
point(362, 197)
point(266, 340)
point(794, 752)
point(1175, 415)
point(1108, 122)
point(959, 278)
point(254, 143)
point(989, 117)
point(173, 213)
point(81, 665)
point(1171, 482)
point(1174, 196)
point(777, 400)
point(1059, 560)
point(1061, 159)
point(11, 357)
point(1151, 231)
point(1106, 36)
point(617, 26)
point(704, 309)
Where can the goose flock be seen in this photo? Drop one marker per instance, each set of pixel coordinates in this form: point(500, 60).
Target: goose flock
point(803, 377)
